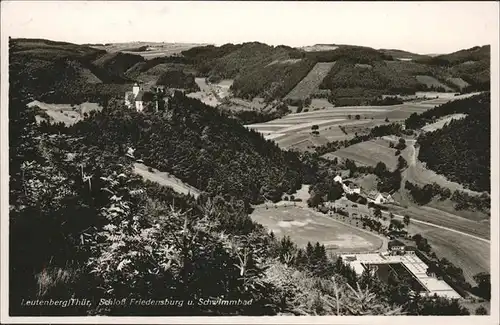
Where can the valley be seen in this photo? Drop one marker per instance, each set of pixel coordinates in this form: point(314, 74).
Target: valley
point(248, 158)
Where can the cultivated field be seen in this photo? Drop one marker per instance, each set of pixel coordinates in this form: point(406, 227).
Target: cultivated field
point(442, 122)
point(294, 130)
point(432, 82)
point(65, 113)
point(148, 50)
point(304, 225)
point(165, 179)
point(311, 81)
point(368, 153)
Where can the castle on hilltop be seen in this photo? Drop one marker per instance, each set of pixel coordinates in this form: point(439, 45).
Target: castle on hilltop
point(155, 97)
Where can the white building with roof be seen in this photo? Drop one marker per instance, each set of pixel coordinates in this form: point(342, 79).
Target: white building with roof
point(134, 98)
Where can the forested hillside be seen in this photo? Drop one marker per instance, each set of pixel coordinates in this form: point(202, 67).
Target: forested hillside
point(467, 105)
point(177, 79)
point(200, 146)
point(58, 72)
point(472, 65)
point(259, 70)
point(231, 61)
point(272, 81)
point(461, 149)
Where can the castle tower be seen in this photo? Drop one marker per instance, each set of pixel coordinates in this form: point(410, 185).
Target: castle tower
point(135, 89)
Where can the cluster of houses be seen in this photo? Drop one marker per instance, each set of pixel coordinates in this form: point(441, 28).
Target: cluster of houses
point(140, 96)
point(373, 196)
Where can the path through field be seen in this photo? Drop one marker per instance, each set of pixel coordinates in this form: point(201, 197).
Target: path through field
point(442, 122)
point(165, 179)
point(417, 173)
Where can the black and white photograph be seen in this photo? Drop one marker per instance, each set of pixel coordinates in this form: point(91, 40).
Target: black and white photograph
point(221, 161)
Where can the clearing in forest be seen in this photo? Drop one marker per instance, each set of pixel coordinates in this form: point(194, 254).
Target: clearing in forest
point(311, 81)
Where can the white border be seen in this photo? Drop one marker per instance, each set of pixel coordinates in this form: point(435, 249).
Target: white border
point(494, 266)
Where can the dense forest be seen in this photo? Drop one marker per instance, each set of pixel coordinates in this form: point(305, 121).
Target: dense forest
point(367, 81)
point(461, 149)
point(200, 146)
point(472, 65)
point(178, 79)
point(467, 105)
point(271, 81)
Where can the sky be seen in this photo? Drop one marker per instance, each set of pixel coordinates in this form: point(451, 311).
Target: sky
point(420, 27)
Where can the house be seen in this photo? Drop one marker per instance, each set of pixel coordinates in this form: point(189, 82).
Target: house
point(396, 247)
point(376, 197)
point(350, 188)
point(388, 197)
point(130, 152)
point(135, 98)
point(139, 97)
point(338, 179)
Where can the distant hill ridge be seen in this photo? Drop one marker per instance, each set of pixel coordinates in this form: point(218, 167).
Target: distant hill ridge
point(34, 61)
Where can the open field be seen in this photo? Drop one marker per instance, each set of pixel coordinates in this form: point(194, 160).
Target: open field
point(211, 94)
point(304, 225)
point(444, 219)
point(165, 179)
point(442, 121)
point(320, 103)
point(368, 153)
point(418, 174)
point(432, 82)
point(293, 130)
point(311, 81)
point(148, 50)
point(472, 255)
point(238, 104)
point(65, 113)
point(419, 103)
point(459, 82)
